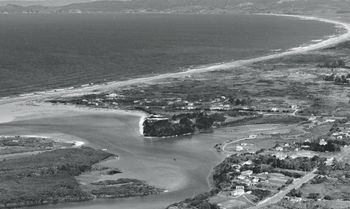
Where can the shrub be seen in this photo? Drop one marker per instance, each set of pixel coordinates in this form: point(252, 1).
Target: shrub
point(314, 196)
point(327, 197)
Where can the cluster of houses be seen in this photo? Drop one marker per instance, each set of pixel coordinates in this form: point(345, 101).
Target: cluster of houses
point(246, 178)
point(220, 103)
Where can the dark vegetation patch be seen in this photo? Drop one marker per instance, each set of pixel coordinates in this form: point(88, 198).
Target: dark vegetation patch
point(47, 177)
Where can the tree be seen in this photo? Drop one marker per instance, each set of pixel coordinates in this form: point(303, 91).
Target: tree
point(314, 196)
point(204, 122)
point(294, 193)
point(327, 197)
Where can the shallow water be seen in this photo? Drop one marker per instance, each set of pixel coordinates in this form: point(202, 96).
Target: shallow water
point(147, 159)
point(151, 160)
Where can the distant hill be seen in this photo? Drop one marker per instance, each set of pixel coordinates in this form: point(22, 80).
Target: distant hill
point(15, 9)
point(196, 6)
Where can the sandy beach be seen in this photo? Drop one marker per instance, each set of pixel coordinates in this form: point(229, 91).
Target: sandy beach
point(95, 88)
point(26, 106)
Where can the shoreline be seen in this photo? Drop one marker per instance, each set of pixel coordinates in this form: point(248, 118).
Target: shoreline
point(97, 88)
point(20, 101)
point(105, 87)
point(76, 143)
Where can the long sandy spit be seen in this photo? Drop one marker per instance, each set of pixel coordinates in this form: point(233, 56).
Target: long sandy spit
point(88, 89)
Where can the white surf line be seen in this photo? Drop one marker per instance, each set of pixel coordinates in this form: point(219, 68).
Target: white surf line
point(78, 143)
point(141, 121)
point(333, 40)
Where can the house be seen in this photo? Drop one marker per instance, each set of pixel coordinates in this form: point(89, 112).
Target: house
point(239, 187)
point(296, 199)
point(238, 191)
point(252, 136)
point(247, 182)
point(239, 148)
point(329, 161)
point(262, 176)
point(313, 118)
point(323, 142)
point(294, 107)
point(236, 166)
point(227, 107)
point(249, 162)
point(255, 180)
point(247, 173)
point(113, 95)
point(281, 156)
point(280, 149)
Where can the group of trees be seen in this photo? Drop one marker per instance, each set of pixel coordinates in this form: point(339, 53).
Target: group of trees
point(331, 146)
point(300, 163)
point(164, 128)
point(294, 193)
point(224, 172)
point(333, 64)
point(334, 168)
point(242, 101)
point(179, 125)
point(338, 79)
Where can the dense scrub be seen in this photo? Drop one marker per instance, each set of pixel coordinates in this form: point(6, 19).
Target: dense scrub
point(47, 177)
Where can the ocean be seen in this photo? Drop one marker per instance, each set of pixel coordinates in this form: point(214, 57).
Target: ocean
point(41, 52)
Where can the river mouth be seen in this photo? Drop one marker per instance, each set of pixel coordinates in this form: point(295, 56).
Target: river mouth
point(146, 159)
point(179, 165)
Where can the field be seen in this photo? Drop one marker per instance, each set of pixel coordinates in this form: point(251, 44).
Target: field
point(331, 189)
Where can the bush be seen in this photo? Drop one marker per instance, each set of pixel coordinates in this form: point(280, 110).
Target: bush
point(260, 193)
point(294, 193)
point(314, 196)
point(289, 181)
point(327, 197)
